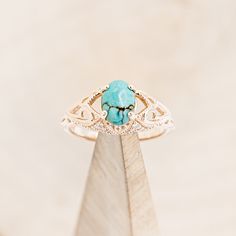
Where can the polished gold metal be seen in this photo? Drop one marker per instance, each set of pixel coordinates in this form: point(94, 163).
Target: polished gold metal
point(152, 121)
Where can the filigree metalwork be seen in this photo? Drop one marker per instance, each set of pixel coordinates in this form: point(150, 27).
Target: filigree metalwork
point(152, 121)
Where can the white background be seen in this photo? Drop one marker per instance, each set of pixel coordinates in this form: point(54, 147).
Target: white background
point(182, 52)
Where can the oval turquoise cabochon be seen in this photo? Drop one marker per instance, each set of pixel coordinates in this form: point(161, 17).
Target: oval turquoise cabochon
point(118, 100)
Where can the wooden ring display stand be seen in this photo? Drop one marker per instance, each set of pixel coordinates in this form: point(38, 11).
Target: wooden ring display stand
point(117, 199)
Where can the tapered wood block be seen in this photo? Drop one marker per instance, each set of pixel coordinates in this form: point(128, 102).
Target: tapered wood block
point(117, 200)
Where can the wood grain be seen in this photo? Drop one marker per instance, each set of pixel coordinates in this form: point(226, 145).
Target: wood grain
point(117, 200)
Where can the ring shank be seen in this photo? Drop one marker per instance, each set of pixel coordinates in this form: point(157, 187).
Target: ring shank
point(92, 135)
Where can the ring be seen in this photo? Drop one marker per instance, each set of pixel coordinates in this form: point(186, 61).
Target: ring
point(123, 110)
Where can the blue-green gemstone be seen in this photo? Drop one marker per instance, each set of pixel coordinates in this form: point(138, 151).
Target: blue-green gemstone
point(118, 100)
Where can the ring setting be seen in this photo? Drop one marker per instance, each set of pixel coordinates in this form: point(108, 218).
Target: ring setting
point(123, 110)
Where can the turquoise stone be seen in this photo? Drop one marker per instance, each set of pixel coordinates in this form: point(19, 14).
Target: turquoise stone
point(118, 100)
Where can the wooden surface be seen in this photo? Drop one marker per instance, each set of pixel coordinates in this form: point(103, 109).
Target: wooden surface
point(117, 200)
